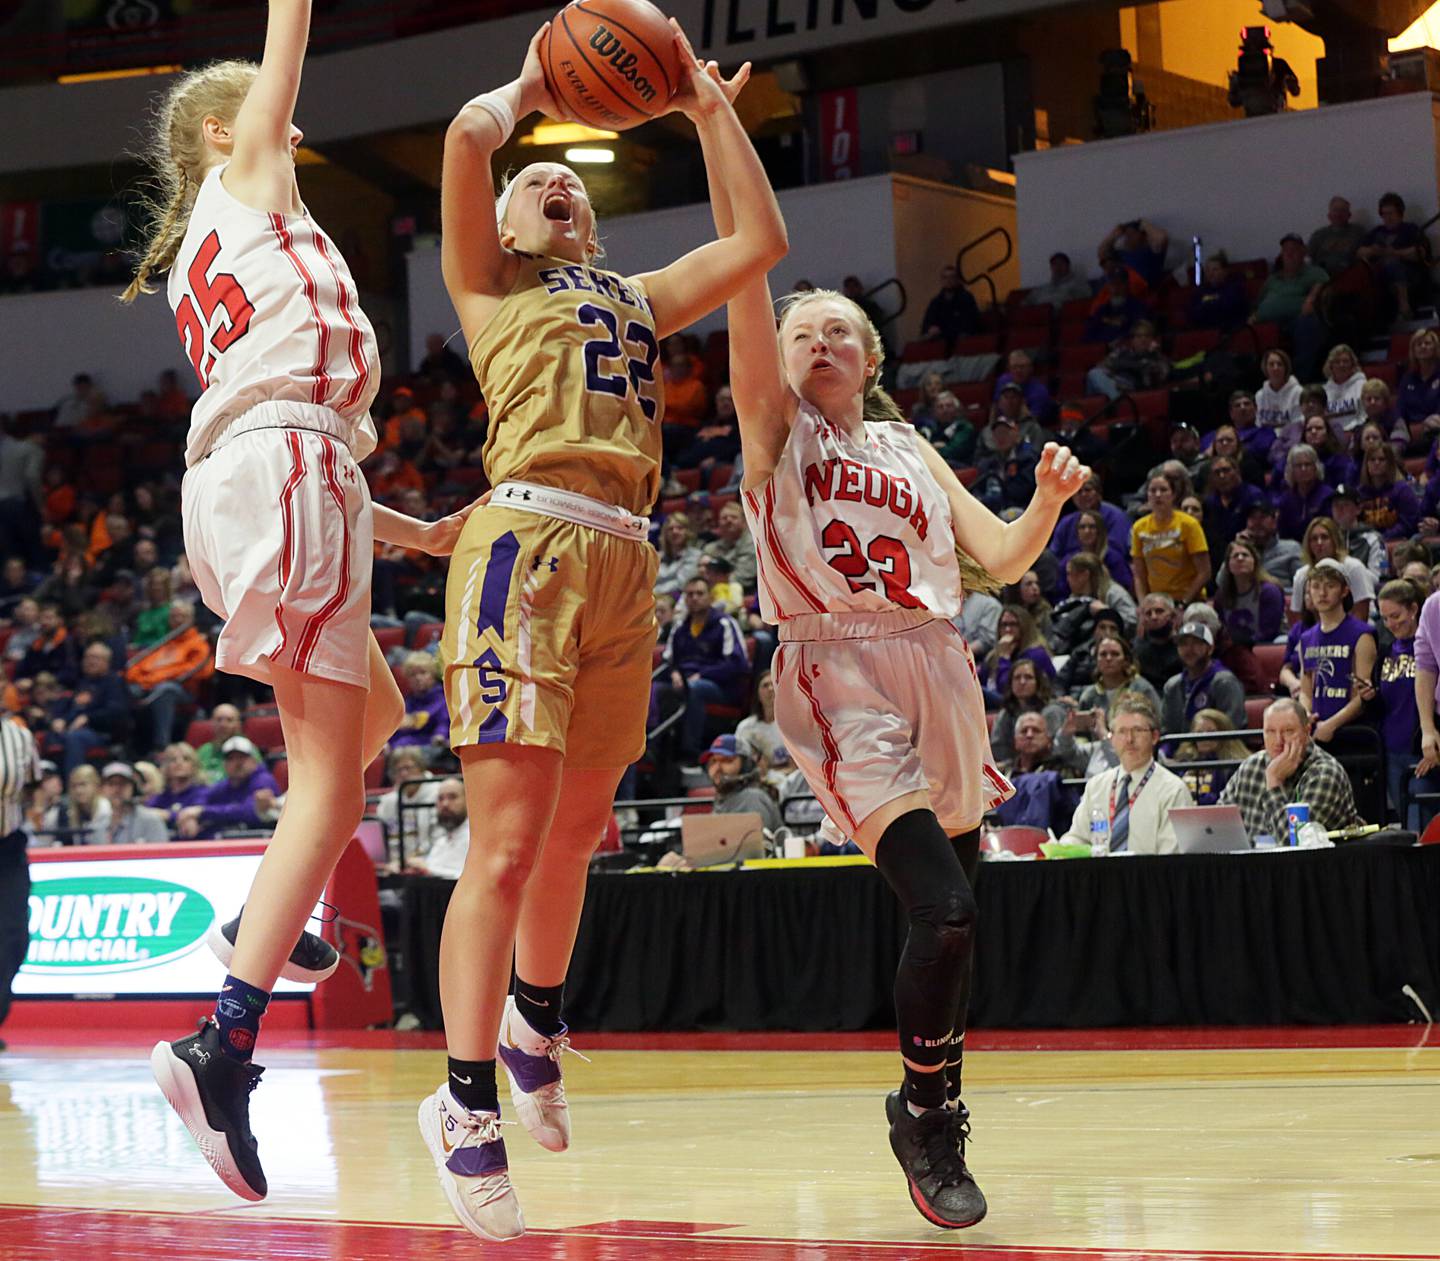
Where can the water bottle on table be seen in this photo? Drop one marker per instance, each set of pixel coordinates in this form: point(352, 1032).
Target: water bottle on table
point(1099, 832)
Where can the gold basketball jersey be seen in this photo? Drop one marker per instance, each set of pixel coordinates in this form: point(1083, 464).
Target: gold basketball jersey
point(570, 369)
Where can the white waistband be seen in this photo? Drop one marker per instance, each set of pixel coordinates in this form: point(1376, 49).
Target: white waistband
point(548, 501)
point(287, 414)
point(821, 626)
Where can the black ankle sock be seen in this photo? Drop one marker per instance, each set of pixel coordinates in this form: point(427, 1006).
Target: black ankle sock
point(472, 1082)
point(925, 1090)
point(541, 1006)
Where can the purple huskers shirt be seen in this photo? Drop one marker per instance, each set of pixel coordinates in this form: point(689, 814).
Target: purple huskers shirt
point(1330, 657)
point(432, 704)
point(1401, 721)
point(1392, 511)
point(1297, 511)
point(172, 802)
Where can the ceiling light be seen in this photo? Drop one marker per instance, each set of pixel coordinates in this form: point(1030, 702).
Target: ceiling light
point(566, 133)
point(589, 155)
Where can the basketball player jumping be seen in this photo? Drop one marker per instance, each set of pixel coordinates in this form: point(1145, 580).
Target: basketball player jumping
point(278, 523)
point(550, 619)
point(865, 540)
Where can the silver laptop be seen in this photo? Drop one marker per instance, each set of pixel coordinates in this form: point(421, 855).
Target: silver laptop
point(709, 839)
point(1209, 829)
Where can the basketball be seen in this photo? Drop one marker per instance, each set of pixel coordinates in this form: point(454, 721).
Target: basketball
point(610, 63)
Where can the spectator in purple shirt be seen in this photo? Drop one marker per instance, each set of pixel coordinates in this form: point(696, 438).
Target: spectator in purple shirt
point(1418, 393)
point(706, 658)
point(1427, 669)
point(1022, 373)
point(1091, 536)
point(1250, 602)
point(1335, 654)
point(1090, 497)
point(180, 765)
point(1305, 496)
point(1016, 637)
point(1388, 503)
point(1336, 467)
point(240, 800)
point(427, 720)
point(1396, 252)
point(1227, 506)
point(1400, 603)
point(1219, 300)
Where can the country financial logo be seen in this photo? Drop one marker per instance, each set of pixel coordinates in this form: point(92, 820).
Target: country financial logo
point(112, 924)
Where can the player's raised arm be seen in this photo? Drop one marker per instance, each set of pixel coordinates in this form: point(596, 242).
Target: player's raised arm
point(477, 268)
point(1007, 550)
point(693, 286)
point(764, 402)
point(264, 128)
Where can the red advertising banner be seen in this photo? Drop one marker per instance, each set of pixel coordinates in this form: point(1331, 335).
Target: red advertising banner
point(19, 228)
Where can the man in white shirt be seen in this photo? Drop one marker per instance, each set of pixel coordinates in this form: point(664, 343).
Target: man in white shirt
point(1138, 795)
point(449, 834)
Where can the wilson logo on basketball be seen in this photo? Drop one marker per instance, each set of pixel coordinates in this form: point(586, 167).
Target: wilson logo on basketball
point(625, 63)
point(113, 924)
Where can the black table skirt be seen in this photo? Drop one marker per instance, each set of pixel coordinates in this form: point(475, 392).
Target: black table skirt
point(1324, 937)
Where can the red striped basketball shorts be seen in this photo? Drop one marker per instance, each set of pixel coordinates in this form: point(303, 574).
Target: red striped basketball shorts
point(870, 720)
point(280, 540)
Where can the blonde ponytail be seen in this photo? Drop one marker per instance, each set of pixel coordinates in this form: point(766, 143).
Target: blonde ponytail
point(877, 405)
point(179, 157)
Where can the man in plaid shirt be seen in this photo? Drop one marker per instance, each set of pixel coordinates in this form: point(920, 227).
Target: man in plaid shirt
point(1291, 768)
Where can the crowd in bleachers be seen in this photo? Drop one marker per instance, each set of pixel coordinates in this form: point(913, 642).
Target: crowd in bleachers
point(1264, 450)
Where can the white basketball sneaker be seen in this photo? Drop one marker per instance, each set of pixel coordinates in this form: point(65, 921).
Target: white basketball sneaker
point(469, 1156)
point(537, 1088)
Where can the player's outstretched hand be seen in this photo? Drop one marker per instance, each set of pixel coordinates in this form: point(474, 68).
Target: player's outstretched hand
point(735, 84)
point(1059, 474)
point(699, 94)
point(442, 535)
point(534, 91)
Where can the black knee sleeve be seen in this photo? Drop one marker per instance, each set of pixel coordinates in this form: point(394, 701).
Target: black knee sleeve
point(921, 866)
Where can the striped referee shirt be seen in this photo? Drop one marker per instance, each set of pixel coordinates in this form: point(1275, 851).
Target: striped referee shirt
point(19, 768)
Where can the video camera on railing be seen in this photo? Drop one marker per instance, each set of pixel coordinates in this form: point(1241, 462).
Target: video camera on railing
point(1260, 82)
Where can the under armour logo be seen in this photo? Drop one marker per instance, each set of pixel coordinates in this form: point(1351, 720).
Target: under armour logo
point(553, 562)
point(198, 1053)
point(512, 493)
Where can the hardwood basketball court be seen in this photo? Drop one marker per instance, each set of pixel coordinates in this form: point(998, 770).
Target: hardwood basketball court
point(1111, 1146)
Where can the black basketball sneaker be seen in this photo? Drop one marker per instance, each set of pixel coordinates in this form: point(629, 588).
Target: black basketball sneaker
point(312, 960)
point(931, 1151)
point(211, 1093)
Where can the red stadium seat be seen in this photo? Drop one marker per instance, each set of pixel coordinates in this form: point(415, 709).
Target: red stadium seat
point(1077, 309)
point(986, 345)
point(974, 393)
point(719, 476)
point(1031, 317)
point(1255, 339)
point(923, 351)
point(1082, 357)
point(704, 793)
point(674, 504)
point(1431, 834)
point(1269, 658)
point(280, 768)
point(199, 732)
point(688, 478)
point(1255, 707)
point(968, 476)
point(389, 637)
point(1387, 372)
point(1400, 347)
point(1195, 342)
point(1012, 840)
point(1151, 403)
point(265, 731)
point(428, 633)
point(1072, 334)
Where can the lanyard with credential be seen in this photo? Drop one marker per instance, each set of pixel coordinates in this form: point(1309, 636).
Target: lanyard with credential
point(1134, 797)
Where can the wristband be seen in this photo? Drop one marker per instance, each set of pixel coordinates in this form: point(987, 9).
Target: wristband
point(495, 105)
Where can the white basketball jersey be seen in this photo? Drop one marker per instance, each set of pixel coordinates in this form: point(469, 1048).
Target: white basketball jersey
point(267, 310)
point(852, 527)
